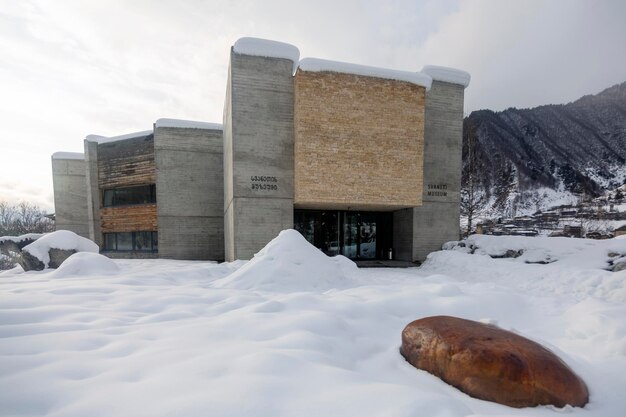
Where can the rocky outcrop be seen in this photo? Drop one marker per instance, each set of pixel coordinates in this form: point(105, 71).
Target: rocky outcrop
point(29, 262)
point(58, 256)
point(490, 363)
point(619, 266)
point(11, 247)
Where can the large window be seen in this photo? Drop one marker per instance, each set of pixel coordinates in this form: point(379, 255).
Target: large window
point(142, 194)
point(132, 241)
point(354, 234)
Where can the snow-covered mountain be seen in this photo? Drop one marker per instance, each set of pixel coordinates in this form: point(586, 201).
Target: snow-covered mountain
point(528, 159)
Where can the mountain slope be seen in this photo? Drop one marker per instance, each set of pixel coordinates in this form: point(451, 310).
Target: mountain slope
point(573, 149)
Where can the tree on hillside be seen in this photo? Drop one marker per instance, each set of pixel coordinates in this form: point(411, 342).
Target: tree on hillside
point(473, 194)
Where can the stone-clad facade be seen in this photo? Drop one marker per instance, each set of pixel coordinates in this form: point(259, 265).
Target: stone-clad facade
point(346, 123)
point(363, 161)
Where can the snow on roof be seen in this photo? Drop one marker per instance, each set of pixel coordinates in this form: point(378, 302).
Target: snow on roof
point(267, 48)
point(94, 138)
point(189, 124)
point(68, 155)
point(448, 75)
point(103, 139)
point(315, 64)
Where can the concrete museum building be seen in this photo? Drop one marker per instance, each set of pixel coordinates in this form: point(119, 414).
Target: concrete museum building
point(363, 161)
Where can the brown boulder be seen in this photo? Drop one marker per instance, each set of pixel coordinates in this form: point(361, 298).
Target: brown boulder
point(490, 363)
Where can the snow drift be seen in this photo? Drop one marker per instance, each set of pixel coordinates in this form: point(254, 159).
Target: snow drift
point(290, 263)
point(86, 263)
point(159, 338)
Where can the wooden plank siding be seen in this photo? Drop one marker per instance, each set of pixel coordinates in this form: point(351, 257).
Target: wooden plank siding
point(129, 218)
point(126, 163)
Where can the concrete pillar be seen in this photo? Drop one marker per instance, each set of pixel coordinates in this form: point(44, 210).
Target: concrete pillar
point(437, 220)
point(93, 191)
point(70, 193)
point(258, 150)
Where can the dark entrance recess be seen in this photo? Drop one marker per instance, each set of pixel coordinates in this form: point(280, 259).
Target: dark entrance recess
point(354, 234)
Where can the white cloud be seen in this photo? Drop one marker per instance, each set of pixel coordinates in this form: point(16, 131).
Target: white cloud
point(530, 53)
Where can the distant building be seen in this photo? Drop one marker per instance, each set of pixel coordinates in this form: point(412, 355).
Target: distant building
point(362, 161)
point(572, 231)
point(620, 231)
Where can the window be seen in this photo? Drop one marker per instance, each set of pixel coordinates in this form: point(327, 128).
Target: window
point(142, 194)
point(132, 241)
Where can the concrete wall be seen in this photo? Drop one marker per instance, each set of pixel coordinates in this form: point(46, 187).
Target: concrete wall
point(70, 195)
point(93, 192)
point(403, 234)
point(258, 153)
point(437, 220)
point(190, 193)
point(359, 142)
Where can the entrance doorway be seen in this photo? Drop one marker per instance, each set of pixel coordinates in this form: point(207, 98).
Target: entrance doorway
point(354, 234)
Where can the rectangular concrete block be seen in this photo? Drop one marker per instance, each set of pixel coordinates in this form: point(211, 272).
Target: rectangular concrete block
point(194, 238)
point(261, 125)
point(437, 220)
point(257, 221)
point(434, 224)
point(70, 195)
point(190, 188)
point(258, 153)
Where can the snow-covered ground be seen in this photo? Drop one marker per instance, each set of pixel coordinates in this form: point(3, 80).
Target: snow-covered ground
point(292, 333)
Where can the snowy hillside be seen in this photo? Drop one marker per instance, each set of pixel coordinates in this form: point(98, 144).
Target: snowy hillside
point(180, 338)
point(572, 149)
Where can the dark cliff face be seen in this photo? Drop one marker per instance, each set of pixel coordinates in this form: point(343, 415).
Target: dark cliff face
point(579, 147)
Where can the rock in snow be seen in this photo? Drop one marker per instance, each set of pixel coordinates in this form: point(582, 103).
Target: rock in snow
point(290, 263)
point(50, 250)
point(490, 363)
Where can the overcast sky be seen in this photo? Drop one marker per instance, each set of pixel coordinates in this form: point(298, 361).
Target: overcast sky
point(69, 68)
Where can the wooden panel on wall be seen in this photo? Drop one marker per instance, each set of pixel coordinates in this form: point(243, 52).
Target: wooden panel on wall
point(359, 142)
point(126, 163)
point(129, 218)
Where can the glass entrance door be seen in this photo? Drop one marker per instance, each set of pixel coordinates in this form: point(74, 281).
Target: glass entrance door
point(359, 235)
point(350, 247)
point(354, 234)
point(367, 236)
point(320, 228)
